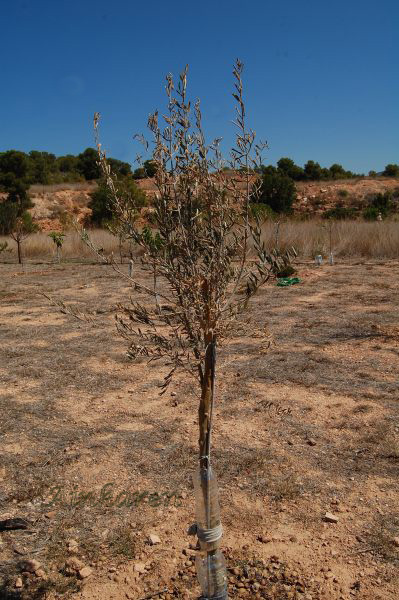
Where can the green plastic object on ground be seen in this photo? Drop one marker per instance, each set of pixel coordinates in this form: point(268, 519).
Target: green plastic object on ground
point(286, 281)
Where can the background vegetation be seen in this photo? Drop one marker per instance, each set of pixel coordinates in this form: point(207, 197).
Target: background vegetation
point(351, 239)
point(46, 168)
point(20, 170)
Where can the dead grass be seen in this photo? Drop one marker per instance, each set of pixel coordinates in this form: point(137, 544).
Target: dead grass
point(40, 246)
point(350, 239)
point(123, 543)
point(60, 187)
point(379, 537)
point(384, 438)
point(285, 487)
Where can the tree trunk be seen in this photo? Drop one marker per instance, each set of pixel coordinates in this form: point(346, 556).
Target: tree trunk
point(19, 251)
point(205, 423)
point(211, 570)
point(155, 289)
point(120, 250)
point(205, 407)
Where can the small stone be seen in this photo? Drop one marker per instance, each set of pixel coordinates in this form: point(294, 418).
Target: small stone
point(73, 565)
point(112, 570)
point(329, 575)
point(32, 565)
point(154, 539)
point(360, 539)
point(330, 518)
point(72, 545)
point(311, 442)
point(173, 394)
point(50, 515)
point(85, 572)
point(396, 541)
point(40, 573)
point(140, 568)
point(18, 583)
point(264, 539)
point(72, 542)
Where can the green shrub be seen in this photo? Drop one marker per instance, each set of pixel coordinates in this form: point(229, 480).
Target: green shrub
point(380, 203)
point(286, 271)
point(147, 170)
point(277, 190)
point(261, 211)
point(313, 170)
point(289, 168)
point(371, 213)
point(383, 202)
point(101, 201)
point(340, 213)
point(343, 193)
point(391, 170)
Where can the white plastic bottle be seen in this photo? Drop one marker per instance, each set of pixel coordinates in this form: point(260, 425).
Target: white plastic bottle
point(210, 563)
point(212, 575)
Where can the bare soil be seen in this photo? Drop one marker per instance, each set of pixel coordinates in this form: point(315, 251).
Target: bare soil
point(314, 198)
point(307, 422)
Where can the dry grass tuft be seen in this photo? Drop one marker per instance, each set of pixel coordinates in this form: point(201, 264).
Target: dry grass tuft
point(351, 239)
point(41, 246)
point(380, 535)
point(384, 437)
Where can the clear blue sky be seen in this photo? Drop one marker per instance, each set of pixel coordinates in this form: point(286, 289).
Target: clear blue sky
point(321, 78)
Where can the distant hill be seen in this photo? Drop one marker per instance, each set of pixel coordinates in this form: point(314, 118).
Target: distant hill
point(55, 204)
point(316, 198)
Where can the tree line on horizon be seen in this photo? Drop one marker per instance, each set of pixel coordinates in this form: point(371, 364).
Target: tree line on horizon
point(37, 167)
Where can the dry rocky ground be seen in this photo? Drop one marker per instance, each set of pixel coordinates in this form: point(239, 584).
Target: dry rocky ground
point(306, 443)
point(316, 197)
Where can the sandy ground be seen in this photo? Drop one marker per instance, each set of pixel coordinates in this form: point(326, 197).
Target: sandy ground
point(307, 422)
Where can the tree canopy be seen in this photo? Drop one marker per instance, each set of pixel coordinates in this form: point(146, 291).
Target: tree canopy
point(101, 205)
point(391, 170)
point(277, 190)
point(46, 168)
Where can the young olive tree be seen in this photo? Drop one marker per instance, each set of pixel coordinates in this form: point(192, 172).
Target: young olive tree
point(209, 260)
point(22, 228)
point(58, 239)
